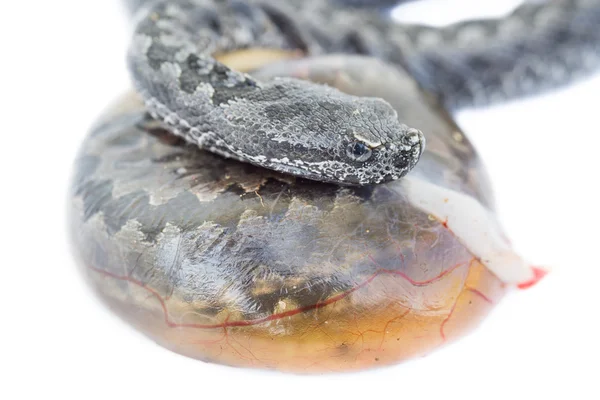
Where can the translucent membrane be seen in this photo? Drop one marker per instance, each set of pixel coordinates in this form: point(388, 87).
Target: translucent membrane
point(229, 263)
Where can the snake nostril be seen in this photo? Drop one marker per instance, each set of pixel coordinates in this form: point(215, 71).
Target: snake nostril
point(401, 163)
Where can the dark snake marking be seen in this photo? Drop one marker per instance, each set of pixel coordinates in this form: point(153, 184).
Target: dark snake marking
point(316, 132)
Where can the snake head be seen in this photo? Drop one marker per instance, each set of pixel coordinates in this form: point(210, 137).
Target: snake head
point(317, 132)
point(379, 161)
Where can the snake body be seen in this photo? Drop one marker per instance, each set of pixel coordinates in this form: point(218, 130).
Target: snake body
point(316, 132)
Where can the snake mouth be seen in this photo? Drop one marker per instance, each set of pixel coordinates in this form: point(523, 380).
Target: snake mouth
point(319, 175)
point(302, 173)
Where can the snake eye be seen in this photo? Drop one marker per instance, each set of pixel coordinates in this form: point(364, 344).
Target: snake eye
point(358, 151)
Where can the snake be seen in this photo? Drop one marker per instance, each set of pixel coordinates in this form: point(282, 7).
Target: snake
point(313, 131)
point(248, 262)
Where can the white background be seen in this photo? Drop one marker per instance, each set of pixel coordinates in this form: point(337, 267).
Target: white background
point(62, 63)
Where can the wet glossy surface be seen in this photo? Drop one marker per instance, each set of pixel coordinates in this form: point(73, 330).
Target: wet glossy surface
point(228, 263)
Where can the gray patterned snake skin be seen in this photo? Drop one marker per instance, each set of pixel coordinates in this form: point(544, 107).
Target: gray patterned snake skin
point(319, 133)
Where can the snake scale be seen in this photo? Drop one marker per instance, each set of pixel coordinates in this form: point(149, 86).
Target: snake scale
point(315, 132)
